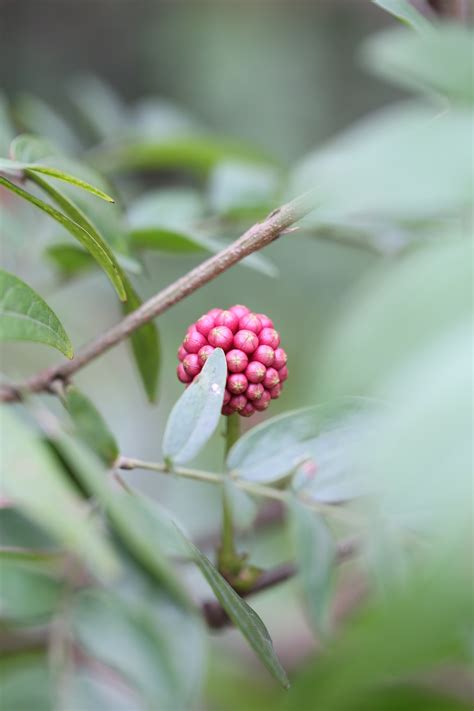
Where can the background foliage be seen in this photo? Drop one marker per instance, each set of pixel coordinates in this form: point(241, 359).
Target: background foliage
point(372, 295)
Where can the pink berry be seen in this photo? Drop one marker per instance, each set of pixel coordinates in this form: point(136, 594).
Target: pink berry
point(193, 341)
point(255, 391)
point(255, 372)
point(227, 410)
point(251, 322)
point(221, 337)
point(265, 321)
point(264, 401)
point(237, 361)
point(205, 324)
point(280, 358)
point(283, 374)
point(271, 378)
point(227, 396)
point(229, 319)
point(275, 391)
point(182, 375)
point(238, 402)
point(237, 383)
point(192, 365)
point(239, 310)
point(269, 337)
point(264, 355)
point(246, 341)
point(248, 410)
point(204, 353)
point(182, 353)
point(214, 312)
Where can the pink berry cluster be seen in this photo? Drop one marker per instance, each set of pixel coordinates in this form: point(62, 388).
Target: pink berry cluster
point(256, 364)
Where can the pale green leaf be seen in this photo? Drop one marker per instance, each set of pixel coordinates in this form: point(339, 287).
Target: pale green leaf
point(25, 316)
point(195, 416)
point(439, 61)
point(69, 260)
point(315, 553)
point(33, 478)
point(404, 11)
point(242, 615)
point(26, 594)
point(90, 426)
point(60, 175)
point(28, 148)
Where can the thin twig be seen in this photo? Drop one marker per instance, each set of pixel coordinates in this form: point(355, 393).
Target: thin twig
point(255, 238)
point(253, 488)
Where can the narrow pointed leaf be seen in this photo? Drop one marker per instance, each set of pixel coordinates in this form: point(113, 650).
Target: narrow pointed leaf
point(194, 417)
point(60, 175)
point(404, 11)
point(242, 615)
point(138, 524)
point(145, 343)
point(25, 316)
point(90, 426)
point(33, 478)
point(80, 227)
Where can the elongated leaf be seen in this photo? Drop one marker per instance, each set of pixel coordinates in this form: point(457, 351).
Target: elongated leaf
point(90, 426)
point(438, 61)
point(138, 524)
point(242, 615)
point(404, 11)
point(273, 449)
point(26, 683)
point(194, 417)
point(69, 260)
point(25, 593)
point(99, 249)
point(25, 316)
point(38, 117)
point(145, 343)
point(60, 175)
point(195, 153)
point(32, 477)
point(315, 555)
point(28, 148)
point(125, 637)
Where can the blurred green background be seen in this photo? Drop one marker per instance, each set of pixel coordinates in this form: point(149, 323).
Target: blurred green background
point(283, 76)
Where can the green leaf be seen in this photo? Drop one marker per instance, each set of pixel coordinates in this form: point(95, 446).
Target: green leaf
point(92, 242)
point(195, 416)
point(25, 681)
point(237, 188)
point(404, 163)
point(25, 316)
point(33, 479)
point(26, 594)
point(197, 154)
point(98, 103)
point(174, 209)
point(146, 347)
point(90, 426)
point(272, 450)
point(242, 615)
point(69, 260)
point(404, 11)
point(127, 640)
point(89, 690)
point(37, 117)
point(137, 522)
point(60, 175)
point(28, 148)
point(411, 303)
point(18, 531)
point(438, 61)
point(315, 552)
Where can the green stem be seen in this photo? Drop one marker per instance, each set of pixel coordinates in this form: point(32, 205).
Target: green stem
point(227, 551)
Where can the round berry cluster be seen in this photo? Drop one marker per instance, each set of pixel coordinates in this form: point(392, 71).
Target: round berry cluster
point(256, 364)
